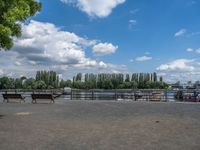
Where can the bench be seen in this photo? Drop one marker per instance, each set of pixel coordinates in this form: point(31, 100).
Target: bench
point(42, 97)
point(7, 97)
point(137, 96)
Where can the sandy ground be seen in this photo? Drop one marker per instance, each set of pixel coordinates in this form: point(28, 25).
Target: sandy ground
point(99, 125)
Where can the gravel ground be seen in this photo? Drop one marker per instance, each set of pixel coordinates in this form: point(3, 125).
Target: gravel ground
point(99, 125)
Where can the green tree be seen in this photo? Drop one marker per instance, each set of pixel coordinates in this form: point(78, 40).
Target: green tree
point(18, 83)
point(127, 78)
point(50, 78)
point(7, 83)
point(39, 85)
point(68, 83)
point(28, 83)
point(161, 79)
point(12, 12)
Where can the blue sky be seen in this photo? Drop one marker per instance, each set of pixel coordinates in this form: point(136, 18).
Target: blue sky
point(113, 36)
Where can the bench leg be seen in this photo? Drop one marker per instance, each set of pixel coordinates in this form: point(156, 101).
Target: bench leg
point(34, 101)
point(22, 100)
point(5, 99)
point(52, 101)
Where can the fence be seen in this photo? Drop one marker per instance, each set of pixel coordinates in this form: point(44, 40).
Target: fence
point(136, 95)
point(128, 94)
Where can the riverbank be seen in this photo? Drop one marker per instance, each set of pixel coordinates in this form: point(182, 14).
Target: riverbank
point(106, 125)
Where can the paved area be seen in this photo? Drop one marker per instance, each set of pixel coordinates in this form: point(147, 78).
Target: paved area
point(100, 125)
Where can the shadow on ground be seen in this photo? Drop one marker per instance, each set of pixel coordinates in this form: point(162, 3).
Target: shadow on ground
point(1, 116)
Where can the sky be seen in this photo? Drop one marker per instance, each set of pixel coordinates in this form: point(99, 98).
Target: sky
point(109, 36)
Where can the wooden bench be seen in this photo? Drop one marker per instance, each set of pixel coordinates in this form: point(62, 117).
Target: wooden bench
point(7, 97)
point(42, 97)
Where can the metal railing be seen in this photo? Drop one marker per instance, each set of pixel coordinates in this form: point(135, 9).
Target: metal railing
point(127, 94)
point(136, 95)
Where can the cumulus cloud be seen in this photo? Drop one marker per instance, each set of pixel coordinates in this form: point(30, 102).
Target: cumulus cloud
point(104, 49)
point(177, 65)
point(181, 32)
point(45, 43)
point(181, 70)
point(95, 8)
point(103, 65)
point(45, 46)
point(143, 58)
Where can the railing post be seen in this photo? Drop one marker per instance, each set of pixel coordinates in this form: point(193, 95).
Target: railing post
point(92, 94)
point(71, 94)
point(115, 94)
point(166, 98)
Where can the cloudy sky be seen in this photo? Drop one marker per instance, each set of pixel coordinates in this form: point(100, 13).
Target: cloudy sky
point(126, 36)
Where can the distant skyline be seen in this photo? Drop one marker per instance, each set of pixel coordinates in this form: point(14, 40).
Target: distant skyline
point(111, 36)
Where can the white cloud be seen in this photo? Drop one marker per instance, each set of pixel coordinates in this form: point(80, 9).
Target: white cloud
point(103, 65)
point(143, 58)
point(132, 23)
point(189, 50)
point(18, 63)
point(95, 8)
point(177, 65)
point(104, 49)
point(134, 11)
point(181, 32)
point(198, 50)
point(44, 41)
point(193, 34)
point(147, 53)
point(45, 46)
point(192, 50)
point(1, 72)
point(180, 70)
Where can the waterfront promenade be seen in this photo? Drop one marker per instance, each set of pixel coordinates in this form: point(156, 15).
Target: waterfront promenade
point(100, 125)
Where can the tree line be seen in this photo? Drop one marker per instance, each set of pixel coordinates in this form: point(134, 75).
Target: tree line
point(42, 80)
point(50, 80)
point(118, 81)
